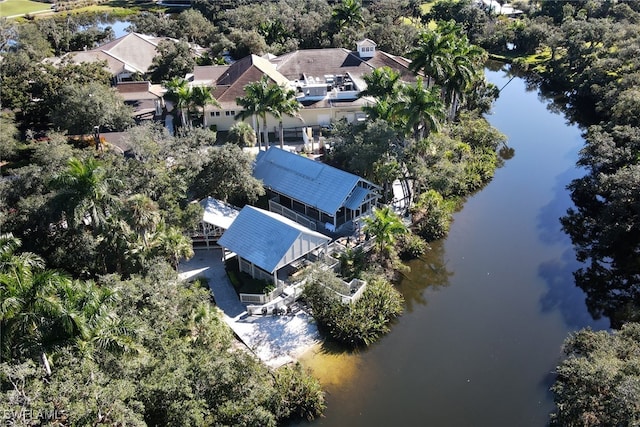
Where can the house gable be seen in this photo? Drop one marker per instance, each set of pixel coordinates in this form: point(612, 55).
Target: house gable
point(312, 183)
point(131, 53)
point(366, 48)
point(268, 240)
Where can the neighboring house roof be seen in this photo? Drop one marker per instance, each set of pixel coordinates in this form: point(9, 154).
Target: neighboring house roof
point(231, 80)
point(313, 183)
point(291, 68)
point(132, 52)
point(142, 96)
point(333, 61)
point(207, 75)
point(269, 240)
point(136, 91)
point(218, 213)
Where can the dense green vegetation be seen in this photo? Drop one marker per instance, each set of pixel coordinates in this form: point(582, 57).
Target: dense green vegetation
point(357, 324)
point(599, 382)
point(143, 351)
point(94, 323)
point(587, 59)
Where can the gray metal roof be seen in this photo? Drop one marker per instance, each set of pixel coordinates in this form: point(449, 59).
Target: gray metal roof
point(357, 197)
point(269, 240)
point(313, 183)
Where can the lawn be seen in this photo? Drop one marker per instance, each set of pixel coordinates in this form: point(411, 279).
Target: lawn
point(21, 7)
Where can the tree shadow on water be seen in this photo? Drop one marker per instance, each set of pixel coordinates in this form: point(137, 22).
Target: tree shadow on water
point(549, 226)
point(562, 294)
point(428, 272)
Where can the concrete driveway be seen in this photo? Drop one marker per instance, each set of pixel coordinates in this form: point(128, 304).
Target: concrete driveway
point(276, 340)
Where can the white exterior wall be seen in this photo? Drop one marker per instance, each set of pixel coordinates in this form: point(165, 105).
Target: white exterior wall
point(310, 117)
point(302, 246)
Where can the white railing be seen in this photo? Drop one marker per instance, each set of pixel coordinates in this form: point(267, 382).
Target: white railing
point(261, 298)
point(354, 290)
point(281, 302)
point(291, 214)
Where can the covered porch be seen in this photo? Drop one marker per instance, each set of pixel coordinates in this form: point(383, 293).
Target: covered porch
point(359, 203)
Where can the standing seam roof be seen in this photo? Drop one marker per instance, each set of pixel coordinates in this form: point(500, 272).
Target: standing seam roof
point(313, 183)
point(265, 238)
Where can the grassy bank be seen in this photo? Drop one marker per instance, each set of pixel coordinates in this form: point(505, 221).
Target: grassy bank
point(22, 7)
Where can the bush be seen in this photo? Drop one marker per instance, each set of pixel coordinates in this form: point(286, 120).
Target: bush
point(411, 246)
point(352, 263)
point(299, 394)
point(432, 216)
point(361, 323)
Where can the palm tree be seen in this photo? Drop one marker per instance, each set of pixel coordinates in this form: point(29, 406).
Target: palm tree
point(143, 215)
point(103, 328)
point(423, 109)
point(262, 98)
point(256, 102)
point(28, 300)
point(348, 14)
point(390, 111)
point(242, 134)
point(180, 92)
point(85, 193)
point(382, 83)
point(466, 65)
point(201, 96)
point(431, 56)
point(384, 226)
point(283, 102)
point(40, 308)
point(173, 245)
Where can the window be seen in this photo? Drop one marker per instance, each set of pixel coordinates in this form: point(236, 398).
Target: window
point(215, 114)
point(230, 113)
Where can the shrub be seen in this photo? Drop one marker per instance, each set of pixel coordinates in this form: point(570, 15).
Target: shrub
point(432, 216)
point(299, 394)
point(411, 246)
point(361, 323)
point(352, 263)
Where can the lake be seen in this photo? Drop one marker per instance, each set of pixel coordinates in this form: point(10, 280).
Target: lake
point(487, 310)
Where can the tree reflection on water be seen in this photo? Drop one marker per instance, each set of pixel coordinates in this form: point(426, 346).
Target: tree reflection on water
point(429, 271)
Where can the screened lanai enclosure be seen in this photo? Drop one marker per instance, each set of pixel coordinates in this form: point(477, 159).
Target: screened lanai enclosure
point(314, 194)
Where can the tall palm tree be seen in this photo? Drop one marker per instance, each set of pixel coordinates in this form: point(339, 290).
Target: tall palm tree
point(423, 109)
point(201, 96)
point(86, 193)
point(384, 226)
point(431, 56)
point(348, 14)
point(264, 97)
point(181, 93)
point(382, 83)
point(465, 66)
point(256, 103)
point(391, 111)
point(283, 102)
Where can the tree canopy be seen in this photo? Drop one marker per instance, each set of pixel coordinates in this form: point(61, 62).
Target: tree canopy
point(598, 383)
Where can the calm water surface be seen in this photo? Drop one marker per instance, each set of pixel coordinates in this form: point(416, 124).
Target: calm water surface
point(488, 309)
